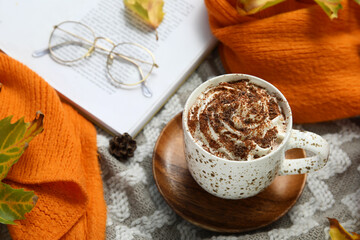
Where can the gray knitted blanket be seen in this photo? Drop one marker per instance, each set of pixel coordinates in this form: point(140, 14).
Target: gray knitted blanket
point(136, 210)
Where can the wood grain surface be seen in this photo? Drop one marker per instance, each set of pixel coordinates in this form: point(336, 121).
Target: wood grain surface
point(197, 206)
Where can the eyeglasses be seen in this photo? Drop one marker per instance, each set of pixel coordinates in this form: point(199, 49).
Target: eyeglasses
point(128, 64)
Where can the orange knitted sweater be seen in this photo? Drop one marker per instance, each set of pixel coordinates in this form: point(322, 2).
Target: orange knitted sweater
point(314, 61)
point(60, 165)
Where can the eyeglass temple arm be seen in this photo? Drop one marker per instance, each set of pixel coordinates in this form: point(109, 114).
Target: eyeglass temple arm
point(128, 58)
point(107, 50)
point(42, 52)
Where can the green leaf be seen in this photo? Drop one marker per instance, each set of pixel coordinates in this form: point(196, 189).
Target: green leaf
point(357, 1)
point(14, 139)
point(14, 203)
point(247, 7)
point(331, 7)
point(151, 11)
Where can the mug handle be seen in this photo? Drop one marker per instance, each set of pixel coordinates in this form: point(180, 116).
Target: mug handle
point(308, 141)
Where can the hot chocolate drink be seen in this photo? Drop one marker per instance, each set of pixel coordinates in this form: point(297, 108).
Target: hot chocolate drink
point(237, 121)
point(236, 133)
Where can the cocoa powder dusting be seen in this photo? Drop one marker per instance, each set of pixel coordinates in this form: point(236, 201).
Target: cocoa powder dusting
point(269, 138)
point(240, 151)
point(235, 115)
point(273, 109)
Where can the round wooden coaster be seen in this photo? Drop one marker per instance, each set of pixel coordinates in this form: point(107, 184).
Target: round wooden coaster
point(197, 206)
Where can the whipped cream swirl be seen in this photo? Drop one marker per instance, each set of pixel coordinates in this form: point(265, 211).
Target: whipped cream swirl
point(237, 121)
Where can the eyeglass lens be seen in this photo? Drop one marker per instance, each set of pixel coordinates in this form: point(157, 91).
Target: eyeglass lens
point(129, 63)
point(71, 41)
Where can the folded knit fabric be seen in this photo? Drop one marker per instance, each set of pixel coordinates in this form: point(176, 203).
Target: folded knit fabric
point(60, 165)
point(313, 60)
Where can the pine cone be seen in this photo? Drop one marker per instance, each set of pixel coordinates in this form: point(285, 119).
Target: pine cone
point(122, 146)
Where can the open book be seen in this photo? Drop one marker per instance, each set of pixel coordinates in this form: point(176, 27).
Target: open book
point(184, 40)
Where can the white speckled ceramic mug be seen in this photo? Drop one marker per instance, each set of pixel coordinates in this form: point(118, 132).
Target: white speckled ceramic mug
point(241, 179)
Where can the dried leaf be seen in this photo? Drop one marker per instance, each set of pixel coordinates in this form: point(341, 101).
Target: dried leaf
point(337, 232)
point(14, 203)
point(331, 7)
point(151, 11)
point(14, 138)
point(247, 7)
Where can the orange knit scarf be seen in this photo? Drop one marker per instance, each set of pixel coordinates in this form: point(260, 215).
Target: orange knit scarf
point(60, 165)
point(313, 60)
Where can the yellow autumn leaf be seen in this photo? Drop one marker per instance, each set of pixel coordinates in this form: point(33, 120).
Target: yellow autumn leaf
point(330, 7)
point(337, 232)
point(247, 7)
point(14, 139)
point(151, 11)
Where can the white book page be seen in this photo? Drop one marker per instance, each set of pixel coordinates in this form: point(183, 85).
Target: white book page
point(184, 38)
